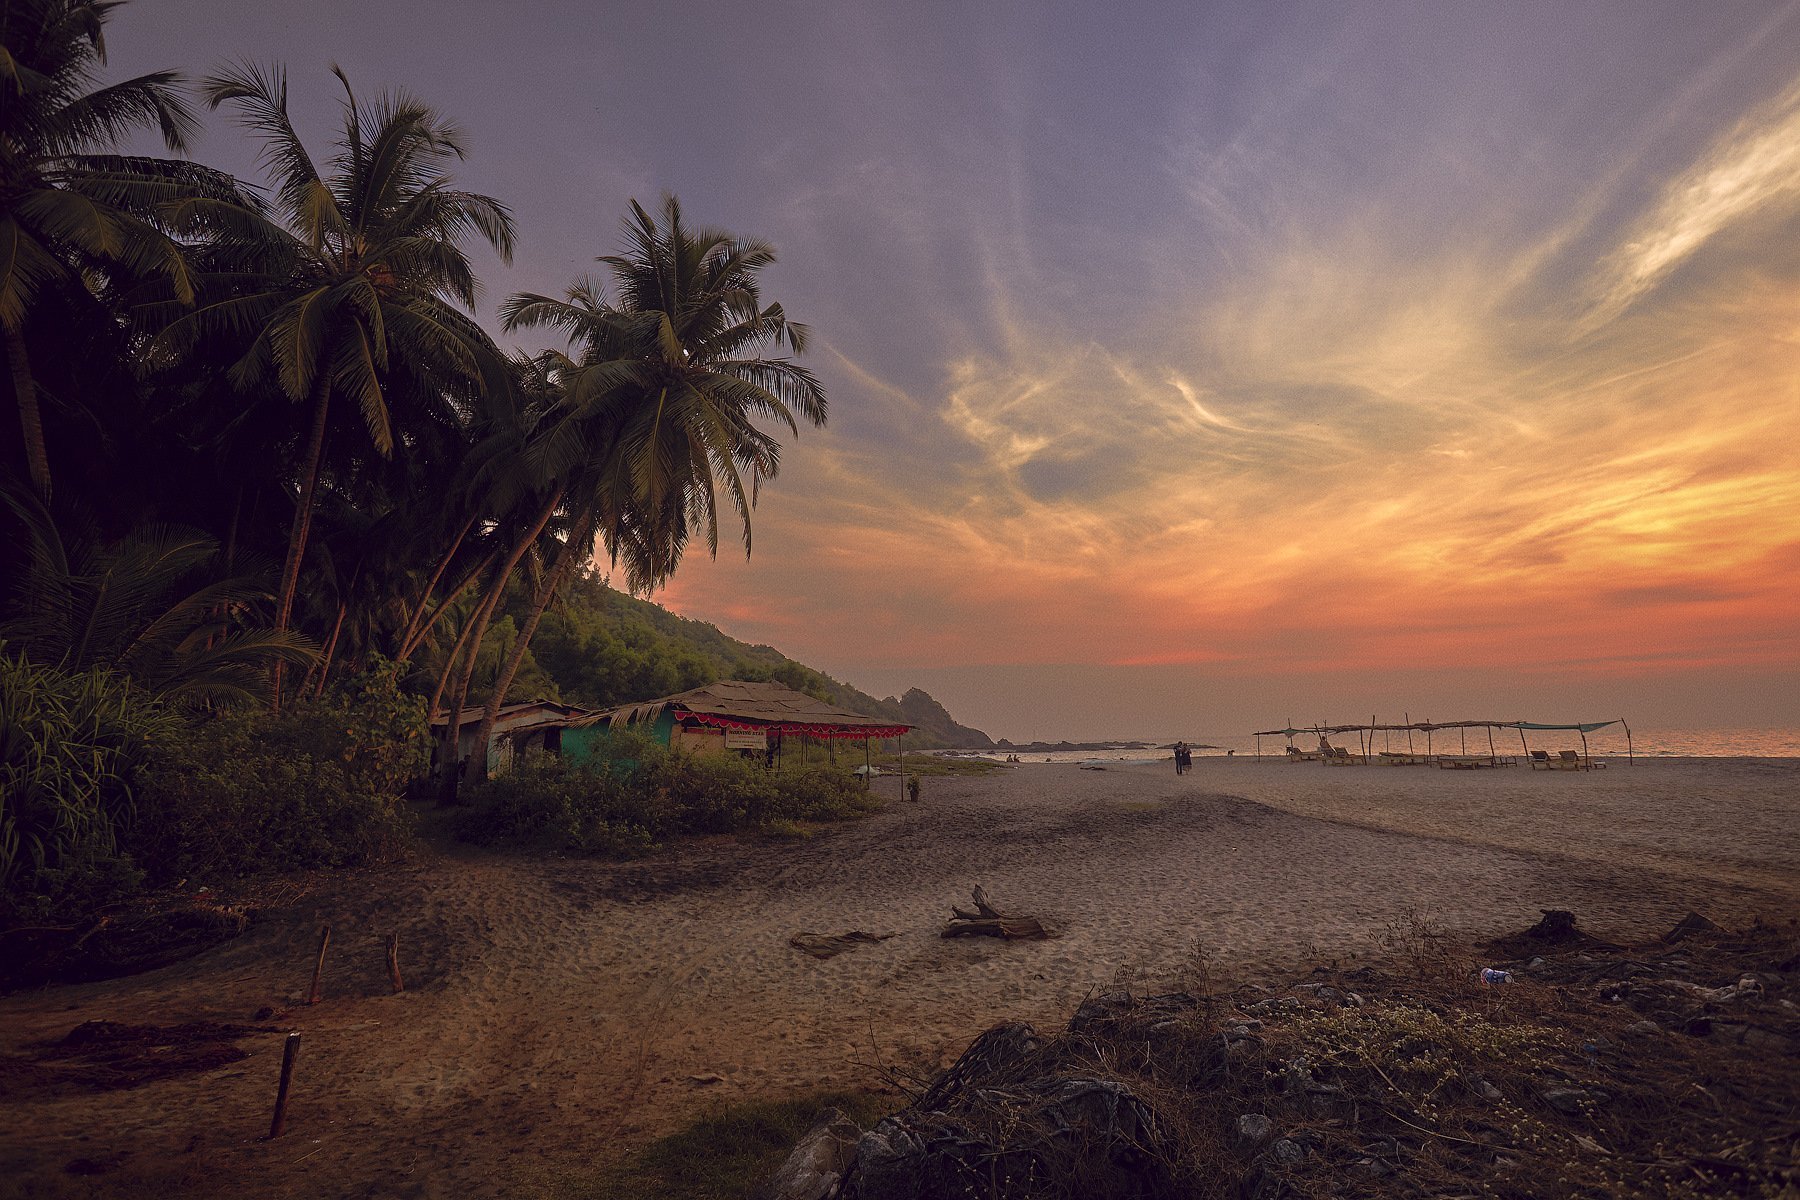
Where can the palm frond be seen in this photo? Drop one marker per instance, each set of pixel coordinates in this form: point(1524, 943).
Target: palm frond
point(259, 95)
point(116, 112)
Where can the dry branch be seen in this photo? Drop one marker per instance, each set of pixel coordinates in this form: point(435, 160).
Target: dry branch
point(988, 921)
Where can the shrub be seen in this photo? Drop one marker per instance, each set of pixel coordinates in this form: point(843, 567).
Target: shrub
point(546, 803)
point(320, 786)
point(73, 751)
point(641, 794)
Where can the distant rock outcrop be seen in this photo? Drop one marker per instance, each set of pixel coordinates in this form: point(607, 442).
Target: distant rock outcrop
point(933, 726)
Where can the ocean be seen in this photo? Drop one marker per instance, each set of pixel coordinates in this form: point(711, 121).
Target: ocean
point(1646, 743)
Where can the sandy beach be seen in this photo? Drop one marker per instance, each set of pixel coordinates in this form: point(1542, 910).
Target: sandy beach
point(558, 1011)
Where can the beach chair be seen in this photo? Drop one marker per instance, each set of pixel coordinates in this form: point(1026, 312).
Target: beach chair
point(1540, 760)
point(1569, 760)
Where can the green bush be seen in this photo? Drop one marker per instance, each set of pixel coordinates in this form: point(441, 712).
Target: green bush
point(548, 804)
point(74, 747)
point(319, 786)
point(641, 794)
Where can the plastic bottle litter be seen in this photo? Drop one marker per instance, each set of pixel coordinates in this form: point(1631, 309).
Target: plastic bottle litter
point(1491, 975)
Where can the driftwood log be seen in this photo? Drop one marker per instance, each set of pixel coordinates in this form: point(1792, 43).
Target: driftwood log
point(989, 921)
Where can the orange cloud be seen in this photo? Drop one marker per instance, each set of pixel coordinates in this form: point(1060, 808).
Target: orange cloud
point(1354, 455)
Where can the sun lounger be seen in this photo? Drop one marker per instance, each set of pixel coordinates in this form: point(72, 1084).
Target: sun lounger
point(1540, 760)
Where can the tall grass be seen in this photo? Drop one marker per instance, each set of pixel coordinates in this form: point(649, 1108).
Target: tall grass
point(73, 751)
point(103, 787)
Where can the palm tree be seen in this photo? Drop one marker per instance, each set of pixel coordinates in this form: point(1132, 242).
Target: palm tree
point(71, 214)
point(149, 607)
point(369, 276)
point(660, 404)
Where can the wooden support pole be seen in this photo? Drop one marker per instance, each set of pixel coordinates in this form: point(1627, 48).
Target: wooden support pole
point(312, 996)
point(289, 1052)
point(393, 957)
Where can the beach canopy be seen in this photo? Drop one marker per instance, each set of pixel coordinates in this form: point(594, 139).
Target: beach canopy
point(1422, 726)
point(1588, 728)
point(767, 707)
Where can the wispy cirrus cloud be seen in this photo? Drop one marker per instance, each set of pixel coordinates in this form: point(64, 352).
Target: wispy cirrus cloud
point(1346, 421)
point(1756, 165)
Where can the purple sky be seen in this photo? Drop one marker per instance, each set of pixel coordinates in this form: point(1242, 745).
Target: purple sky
point(1194, 366)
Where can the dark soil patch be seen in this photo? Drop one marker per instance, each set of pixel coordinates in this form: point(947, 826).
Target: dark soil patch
point(143, 936)
point(105, 1056)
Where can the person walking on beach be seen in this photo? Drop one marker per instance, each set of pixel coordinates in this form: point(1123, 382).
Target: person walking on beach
point(1183, 758)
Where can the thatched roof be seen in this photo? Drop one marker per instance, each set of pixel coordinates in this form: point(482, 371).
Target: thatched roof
point(519, 715)
point(740, 704)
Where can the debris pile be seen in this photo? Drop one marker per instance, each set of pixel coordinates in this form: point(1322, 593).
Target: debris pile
point(1666, 1069)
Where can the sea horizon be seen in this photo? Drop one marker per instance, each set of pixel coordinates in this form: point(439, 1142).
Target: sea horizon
point(1645, 743)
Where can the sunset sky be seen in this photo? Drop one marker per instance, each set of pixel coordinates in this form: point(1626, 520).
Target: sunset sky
point(1194, 368)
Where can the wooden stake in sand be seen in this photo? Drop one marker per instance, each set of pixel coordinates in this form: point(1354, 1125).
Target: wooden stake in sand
point(312, 996)
point(393, 957)
point(289, 1053)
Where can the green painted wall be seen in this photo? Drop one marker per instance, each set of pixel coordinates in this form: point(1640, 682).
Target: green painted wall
point(586, 745)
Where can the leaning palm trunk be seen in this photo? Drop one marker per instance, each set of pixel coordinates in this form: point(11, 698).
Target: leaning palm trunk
point(330, 650)
point(473, 636)
point(296, 549)
point(417, 637)
point(31, 421)
point(435, 709)
point(575, 550)
point(453, 725)
point(425, 596)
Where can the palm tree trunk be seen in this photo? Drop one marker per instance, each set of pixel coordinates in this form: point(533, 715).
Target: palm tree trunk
point(296, 549)
point(31, 423)
point(577, 549)
point(418, 636)
point(453, 726)
point(330, 649)
point(425, 597)
point(474, 635)
point(454, 657)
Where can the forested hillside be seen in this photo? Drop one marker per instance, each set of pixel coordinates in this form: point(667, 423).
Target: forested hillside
point(600, 646)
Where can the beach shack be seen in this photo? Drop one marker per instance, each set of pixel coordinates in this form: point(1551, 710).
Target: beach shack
point(730, 716)
point(528, 725)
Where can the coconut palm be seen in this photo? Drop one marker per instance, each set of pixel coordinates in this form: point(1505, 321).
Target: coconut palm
point(71, 214)
point(660, 404)
point(369, 278)
point(149, 607)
